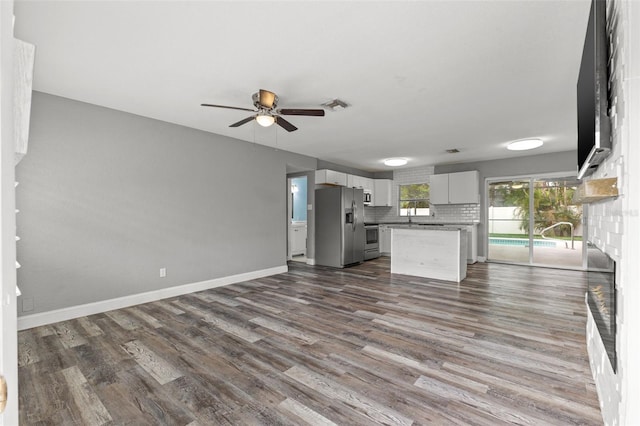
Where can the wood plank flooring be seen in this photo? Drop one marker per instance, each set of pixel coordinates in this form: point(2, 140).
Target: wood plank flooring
point(323, 346)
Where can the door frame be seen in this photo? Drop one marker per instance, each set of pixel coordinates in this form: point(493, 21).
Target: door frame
point(290, 177)
point(8, 311)
point(531, 177)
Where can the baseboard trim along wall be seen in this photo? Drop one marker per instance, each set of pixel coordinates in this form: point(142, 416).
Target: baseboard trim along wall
point(44, 318)
point(311, 261)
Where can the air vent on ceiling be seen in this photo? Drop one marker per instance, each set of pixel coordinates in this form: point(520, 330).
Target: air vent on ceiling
point(453, 151)
point(335, 105)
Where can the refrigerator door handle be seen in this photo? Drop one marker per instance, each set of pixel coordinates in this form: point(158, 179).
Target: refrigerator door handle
point(355, 215)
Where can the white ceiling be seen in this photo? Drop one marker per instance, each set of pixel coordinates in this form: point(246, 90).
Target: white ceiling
point(420, 77)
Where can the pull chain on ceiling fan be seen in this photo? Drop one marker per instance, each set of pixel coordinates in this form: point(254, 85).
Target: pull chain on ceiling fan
point(267, 113)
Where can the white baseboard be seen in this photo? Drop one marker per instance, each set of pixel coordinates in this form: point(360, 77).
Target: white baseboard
point(311, 261)
point(482, 259)
point(44, 318)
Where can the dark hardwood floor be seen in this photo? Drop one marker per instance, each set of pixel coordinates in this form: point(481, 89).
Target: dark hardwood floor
point(324, 346)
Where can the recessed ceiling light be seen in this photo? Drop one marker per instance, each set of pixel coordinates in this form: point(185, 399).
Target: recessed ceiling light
point(395, 162)
point(524, 144)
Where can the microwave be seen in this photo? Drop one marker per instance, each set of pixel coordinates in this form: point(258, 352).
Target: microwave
point(367, 197)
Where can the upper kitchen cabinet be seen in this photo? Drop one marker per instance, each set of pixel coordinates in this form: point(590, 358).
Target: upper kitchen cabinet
point(382, 192)
point(360, 182)
point(331, 177)
point(455, 188)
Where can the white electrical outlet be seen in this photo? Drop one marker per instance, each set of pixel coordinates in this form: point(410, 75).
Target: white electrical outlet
point(163, 272)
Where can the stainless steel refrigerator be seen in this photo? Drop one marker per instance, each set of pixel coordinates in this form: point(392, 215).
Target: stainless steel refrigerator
point(339, 224)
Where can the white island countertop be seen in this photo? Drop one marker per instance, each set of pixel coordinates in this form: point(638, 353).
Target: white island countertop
point(437, 252)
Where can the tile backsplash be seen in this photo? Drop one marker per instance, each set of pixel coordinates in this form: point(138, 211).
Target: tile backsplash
point(451, 213)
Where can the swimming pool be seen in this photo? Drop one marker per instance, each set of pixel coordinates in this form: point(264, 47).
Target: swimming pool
point(520, 242)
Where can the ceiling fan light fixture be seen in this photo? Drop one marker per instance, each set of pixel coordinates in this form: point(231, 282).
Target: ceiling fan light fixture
point(524, 144)
point(265, 120)
point(395, 162)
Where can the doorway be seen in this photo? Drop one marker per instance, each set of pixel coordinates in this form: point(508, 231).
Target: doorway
point(297, 219)
point(533, 220)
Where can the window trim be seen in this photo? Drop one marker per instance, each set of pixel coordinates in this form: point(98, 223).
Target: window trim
point(414, 208)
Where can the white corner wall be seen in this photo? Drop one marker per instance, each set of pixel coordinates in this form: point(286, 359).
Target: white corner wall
point(615, 225)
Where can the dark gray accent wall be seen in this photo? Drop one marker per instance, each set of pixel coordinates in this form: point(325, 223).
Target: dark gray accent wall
point(108, 198)
point(565, 161)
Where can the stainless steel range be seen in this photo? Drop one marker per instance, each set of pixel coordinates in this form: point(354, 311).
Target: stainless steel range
point(371, 244)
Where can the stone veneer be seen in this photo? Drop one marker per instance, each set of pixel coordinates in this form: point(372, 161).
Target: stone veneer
point(613, 224)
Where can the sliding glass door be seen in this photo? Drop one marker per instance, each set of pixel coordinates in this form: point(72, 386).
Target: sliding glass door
point(508, 226)
point(534, 221)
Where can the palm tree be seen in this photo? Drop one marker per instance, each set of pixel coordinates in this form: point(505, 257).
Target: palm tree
point(552, 203)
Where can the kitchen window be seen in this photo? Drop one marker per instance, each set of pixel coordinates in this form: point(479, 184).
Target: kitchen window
point(414, 199)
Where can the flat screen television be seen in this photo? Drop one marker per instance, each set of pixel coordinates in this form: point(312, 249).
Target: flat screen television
point(594, 124)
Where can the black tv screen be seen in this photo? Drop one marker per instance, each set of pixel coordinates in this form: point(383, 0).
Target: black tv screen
point(594, 125)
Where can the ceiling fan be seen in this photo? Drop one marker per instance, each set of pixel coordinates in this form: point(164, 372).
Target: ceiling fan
point(267, 113)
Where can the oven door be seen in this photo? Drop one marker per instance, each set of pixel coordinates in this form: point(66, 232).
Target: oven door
point(371, 246)
point(371, 233)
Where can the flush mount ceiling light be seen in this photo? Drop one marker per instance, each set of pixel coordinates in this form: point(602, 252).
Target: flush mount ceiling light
point(395, 162)
point(265, 120)
point(524, 144)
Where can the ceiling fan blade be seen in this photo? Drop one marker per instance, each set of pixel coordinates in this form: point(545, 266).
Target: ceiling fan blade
point(267, 98)
point(307, 112)
point(241, 122)
point(228, 107)
point(285, 124)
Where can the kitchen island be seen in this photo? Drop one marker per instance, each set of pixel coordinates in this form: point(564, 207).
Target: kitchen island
point(429, 252)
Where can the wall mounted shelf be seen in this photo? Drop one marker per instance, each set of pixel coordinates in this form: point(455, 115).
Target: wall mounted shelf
point(594, 190)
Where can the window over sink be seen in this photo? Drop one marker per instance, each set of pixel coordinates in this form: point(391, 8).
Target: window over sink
point(414, 199)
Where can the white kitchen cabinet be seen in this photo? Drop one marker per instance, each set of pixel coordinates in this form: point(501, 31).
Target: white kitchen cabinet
point(331, 177)
point(298, 238)
point(384, 240)
point(360, 182)
point(367, 184)
point(439, 189)
point(382, 192)
point(455, 188)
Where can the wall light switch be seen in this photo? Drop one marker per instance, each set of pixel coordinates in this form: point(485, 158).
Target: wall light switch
point(163, 272)
point(309, 207)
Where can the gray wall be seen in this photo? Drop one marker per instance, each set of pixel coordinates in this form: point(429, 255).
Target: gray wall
point(108, 198)
point(530, 165)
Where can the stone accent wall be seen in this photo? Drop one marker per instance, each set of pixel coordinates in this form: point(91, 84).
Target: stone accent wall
point(613, 225)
